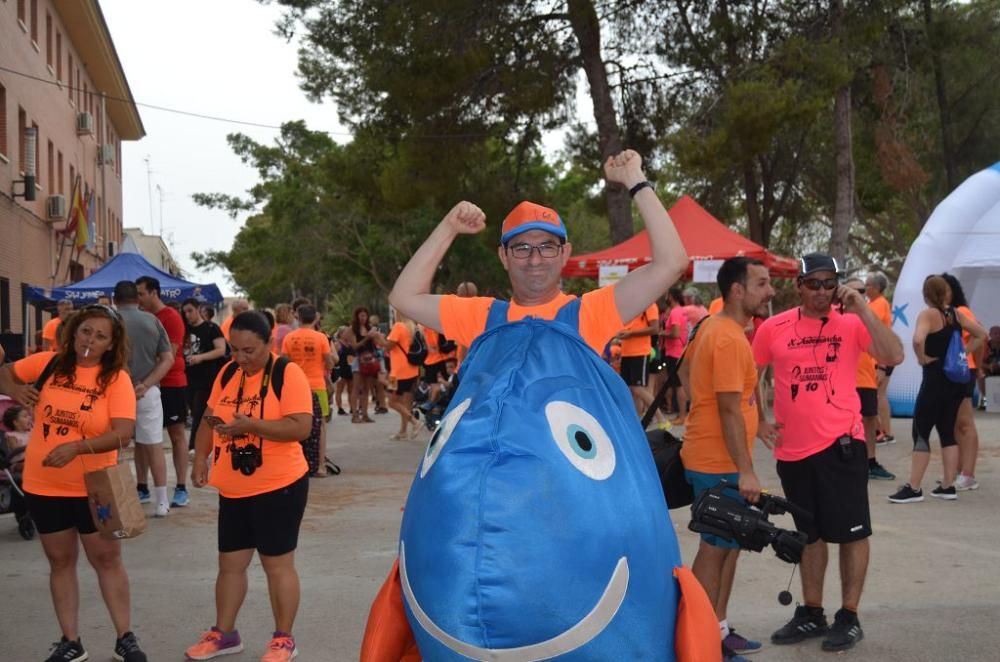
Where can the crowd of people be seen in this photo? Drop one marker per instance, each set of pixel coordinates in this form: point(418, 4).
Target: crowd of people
point(237, 400)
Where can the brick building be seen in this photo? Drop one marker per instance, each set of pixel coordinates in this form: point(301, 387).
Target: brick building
point(59, 74)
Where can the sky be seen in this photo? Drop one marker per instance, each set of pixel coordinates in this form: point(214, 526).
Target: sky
point(219, 58)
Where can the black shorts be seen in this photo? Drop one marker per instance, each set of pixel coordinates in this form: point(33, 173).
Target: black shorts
point(673, 364)
point(968, 390)
point(54, 514)
point(657, 365)
point(869, 401)
point(432, 370)
point(344, 371)
point(404, 386)
point(634, 370)
point(267, 522)
point(887, 369)
point(834, 490)
point(174, 403)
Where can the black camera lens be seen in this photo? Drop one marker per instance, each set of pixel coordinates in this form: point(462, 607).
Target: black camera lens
point(246, 459)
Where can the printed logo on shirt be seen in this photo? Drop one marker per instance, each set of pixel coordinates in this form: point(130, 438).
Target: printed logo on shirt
point(799, 342)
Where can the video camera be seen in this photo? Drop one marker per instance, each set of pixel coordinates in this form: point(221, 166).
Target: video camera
point(732, 518)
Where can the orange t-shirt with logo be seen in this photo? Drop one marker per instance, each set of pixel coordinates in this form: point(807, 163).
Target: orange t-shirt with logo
point(464, 318)
point(399, 366)
point(50, 334)
point(720, 361)
point(308, 349)
point(70, 412)
point(434, 355)
point(640, 345)
point(284, 462)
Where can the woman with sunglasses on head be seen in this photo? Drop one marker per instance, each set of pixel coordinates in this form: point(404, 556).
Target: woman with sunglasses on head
point(939, 398)
point(84, 414)
point(248, 448)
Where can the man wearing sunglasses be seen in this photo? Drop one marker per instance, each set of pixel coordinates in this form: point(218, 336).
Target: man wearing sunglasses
point(819, 437)
point(534, 249)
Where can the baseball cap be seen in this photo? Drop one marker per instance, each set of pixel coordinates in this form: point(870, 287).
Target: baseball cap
point(530, 216)
point(814, 262)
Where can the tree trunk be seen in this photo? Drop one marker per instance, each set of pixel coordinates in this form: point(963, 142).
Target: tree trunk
point(843, 209)
point(944, 113)
point(754, 216)
point(587, 29)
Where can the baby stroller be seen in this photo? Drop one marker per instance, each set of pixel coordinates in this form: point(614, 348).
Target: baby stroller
point(431, 412)
point(11, 496)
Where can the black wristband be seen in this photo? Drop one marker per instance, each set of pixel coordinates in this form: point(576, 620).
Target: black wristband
point(638, 187)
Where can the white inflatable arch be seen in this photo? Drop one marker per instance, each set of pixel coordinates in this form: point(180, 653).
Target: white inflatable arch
point(962, 237)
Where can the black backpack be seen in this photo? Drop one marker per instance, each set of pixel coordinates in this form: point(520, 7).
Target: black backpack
point(417, 352)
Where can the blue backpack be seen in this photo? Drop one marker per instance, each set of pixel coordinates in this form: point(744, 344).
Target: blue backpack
point(956, 361)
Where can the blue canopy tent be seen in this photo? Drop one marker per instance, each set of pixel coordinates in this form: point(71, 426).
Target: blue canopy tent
point(125, 266)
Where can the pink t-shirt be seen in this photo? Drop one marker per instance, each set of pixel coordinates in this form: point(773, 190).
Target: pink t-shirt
point(695, 314)
point(674, 347)
point(815, 395)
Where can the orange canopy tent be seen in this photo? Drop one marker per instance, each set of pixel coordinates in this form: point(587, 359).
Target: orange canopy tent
point(704, 238)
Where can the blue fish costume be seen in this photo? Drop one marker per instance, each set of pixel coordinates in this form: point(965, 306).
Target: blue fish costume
point(535, 527)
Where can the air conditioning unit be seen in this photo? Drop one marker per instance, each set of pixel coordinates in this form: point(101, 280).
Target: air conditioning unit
point(84, 124)
point(112, 249)
point(107, 154)
point(55, 207)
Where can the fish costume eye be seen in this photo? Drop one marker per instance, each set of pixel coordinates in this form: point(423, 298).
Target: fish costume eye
point(581, 439)
point(441, 436)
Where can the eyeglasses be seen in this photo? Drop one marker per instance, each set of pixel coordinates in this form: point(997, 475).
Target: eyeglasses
point(815, 283)
point(112, 313)
point(547, 250)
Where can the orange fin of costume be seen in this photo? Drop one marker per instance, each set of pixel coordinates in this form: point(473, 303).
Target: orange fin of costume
point(388, 637)
point(696, 637)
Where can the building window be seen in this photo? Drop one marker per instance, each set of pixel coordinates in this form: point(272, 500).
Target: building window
point(22, 149)
point(38, 152)
point(21, 12)
point(72, 181)
point(4, 305)
point(60, 190)
point(3, 121)
point(34, 21)
point(51, 165)
point(79, 97)
point(69, 72)
point(48, 39)
point(75, 272)
point(58, 55)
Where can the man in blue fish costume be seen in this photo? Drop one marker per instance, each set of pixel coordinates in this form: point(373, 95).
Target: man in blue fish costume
point(535, 528)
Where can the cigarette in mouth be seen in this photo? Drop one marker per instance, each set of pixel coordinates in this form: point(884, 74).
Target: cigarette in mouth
point(86, 352)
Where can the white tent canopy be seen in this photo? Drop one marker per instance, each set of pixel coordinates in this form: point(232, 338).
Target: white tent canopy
point(961, 237)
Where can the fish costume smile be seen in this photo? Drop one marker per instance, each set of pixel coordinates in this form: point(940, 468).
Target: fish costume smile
point(535, 527)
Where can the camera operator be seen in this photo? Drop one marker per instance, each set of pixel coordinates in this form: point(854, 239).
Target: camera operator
point(820, 450)
point(250, 433)
point(720, 374)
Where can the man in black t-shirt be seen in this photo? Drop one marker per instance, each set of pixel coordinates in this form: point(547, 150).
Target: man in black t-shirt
point(204, 349)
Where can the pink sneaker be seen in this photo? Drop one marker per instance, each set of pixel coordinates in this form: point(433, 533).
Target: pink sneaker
point(280, 649)
point(215, 643)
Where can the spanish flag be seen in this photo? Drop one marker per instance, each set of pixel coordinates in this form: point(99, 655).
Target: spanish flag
point(78, 218)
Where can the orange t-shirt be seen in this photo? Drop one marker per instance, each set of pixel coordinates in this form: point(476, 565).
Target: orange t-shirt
point(882, 310)
point(284, 462)
point(228, 322)
point(640, 345)
point(464, 318)
point(50, 334)
point(70, 412)
point(865, 375)
point(308, 349)
point(433, 339)
point(715, 306)
point(721, 361)
point(399, 366)
point(966, 336)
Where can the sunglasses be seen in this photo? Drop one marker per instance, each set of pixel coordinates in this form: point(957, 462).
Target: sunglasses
point(815, 283)
point(111, 312)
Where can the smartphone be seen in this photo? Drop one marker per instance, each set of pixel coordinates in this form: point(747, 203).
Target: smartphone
point(212, 421)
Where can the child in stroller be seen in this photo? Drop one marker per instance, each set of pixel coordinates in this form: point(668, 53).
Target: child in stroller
point(14, 433)
point(431, 403)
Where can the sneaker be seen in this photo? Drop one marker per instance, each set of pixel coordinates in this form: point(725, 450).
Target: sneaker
point(964, 483)
point(127, 649)
point(144, 495)
point(729, 656)
point(65, 650)
point(845, 632)
point(162, 510)
point(883, 439)
point(341, 412)
point(802, 626)
point(214, 643)
point(280, 649)
point(180, 498)
point(877, 472)
point(907, 494)
point(947, 493)
point(739, 644)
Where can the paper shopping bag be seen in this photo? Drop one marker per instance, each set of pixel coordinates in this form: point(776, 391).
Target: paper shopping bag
point(114, 503)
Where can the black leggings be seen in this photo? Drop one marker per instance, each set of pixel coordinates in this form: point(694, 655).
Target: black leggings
point(937, 407)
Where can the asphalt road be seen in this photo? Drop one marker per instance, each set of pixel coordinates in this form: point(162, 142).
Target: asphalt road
point(933, 589)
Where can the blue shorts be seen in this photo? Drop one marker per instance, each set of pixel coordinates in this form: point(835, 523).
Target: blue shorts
point(701, 482)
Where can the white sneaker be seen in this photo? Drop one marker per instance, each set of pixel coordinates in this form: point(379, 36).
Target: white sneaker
point(162, 510)
point(964, 483)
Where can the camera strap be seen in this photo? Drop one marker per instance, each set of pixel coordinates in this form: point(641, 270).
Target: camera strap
point(265, 384)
